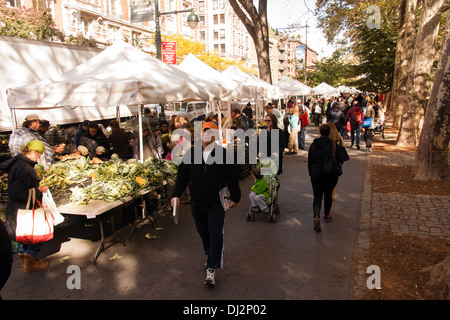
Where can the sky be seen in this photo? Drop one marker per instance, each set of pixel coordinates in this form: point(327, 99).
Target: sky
point(282, 13)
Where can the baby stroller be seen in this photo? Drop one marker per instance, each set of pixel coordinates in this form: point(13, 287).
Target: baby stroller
point(272, 202)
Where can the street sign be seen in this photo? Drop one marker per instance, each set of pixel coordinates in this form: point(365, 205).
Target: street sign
point(142, 12)
point(169, 52)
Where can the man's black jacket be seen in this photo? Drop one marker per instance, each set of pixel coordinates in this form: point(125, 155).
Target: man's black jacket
point(205, 180)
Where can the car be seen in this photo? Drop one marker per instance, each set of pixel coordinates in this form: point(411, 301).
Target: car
point(190, 110)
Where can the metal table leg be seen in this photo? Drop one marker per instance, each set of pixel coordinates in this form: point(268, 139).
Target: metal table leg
point(114, 237)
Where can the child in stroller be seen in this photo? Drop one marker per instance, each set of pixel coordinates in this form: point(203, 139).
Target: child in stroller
point(263, 197)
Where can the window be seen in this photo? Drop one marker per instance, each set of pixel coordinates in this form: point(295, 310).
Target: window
point(222, 48)
point(216, 19)
point(222, 33)
point(215, 4)
point(135, 38)
point(13, 3)
point(201, 20)
point(222, 18)
point(202, 36)
point(216, 35)
point(216, 47)
point(201, 6)
point(113, 32)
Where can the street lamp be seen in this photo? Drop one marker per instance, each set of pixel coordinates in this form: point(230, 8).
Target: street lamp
point(192, 21)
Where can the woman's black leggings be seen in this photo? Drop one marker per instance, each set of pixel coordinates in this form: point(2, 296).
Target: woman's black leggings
point(323, 186)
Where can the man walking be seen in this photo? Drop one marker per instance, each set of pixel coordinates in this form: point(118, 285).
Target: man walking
point(206, 178)
point(356, 117)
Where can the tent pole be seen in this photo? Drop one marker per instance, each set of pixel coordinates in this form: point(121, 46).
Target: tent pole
point(219, 114)
point(14, 119)
point(141, 142)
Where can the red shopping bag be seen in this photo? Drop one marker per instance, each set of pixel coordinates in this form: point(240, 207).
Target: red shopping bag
point(349, 127)
point(34, 225)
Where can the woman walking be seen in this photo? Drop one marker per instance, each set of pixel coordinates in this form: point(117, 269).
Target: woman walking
point(322, 182)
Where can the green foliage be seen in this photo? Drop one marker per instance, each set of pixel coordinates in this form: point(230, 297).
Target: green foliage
point(334, 70)
point(35, 24)
point(373, 49)
point(28, 23)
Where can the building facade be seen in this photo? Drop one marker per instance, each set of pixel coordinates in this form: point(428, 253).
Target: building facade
point(220, 29)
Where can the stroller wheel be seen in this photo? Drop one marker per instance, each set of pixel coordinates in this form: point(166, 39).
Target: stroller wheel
point(271, 217)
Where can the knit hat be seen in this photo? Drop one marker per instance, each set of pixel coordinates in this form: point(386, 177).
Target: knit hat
point(209, 125)
point(36, 145)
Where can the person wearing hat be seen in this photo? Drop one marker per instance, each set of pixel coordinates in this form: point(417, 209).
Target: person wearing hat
point(206, 179)
point(21, 177)
point(28, 132)
point(151, 143)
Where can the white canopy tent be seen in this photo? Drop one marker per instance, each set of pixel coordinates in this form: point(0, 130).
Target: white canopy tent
point(233, 89)
point(271, 91)
point(121, 75)
point(239, 76)
point(293, 87)
point(236, 74)
point(325, 90)
point(345, 89)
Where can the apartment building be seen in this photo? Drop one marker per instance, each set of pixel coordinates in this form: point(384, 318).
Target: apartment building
point(221, 31)
point(292, 56)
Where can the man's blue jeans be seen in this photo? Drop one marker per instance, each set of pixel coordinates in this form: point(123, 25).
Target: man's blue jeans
point(356, 129)
point(301, 137)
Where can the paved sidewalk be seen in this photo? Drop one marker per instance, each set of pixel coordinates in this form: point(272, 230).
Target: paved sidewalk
point(419, 215)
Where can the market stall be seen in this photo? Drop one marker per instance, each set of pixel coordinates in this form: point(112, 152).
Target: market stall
point(81, 187)
point(120, 76)
point(325, 90)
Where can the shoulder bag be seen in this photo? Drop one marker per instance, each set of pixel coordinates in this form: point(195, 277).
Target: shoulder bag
point(34, 225)
point(331, 165)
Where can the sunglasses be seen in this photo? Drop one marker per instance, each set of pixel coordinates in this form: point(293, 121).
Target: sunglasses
point(268, 120)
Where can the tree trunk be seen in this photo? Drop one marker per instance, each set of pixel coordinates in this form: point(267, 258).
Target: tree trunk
point(418, 83)
point(255, 21)
point(403, 56)
point(432, 153)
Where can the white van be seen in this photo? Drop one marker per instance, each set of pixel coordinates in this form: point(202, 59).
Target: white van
point(190, 110)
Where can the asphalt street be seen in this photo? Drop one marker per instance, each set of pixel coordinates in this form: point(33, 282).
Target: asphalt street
point(286, 260)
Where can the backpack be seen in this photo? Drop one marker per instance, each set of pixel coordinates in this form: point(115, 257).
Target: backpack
point(356, 117)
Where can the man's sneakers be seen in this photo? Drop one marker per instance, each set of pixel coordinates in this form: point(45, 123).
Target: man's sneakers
point(210, 281)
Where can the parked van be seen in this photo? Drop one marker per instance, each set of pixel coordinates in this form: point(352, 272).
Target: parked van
point(190, 110)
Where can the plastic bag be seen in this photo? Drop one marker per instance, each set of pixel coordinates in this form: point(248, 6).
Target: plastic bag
point(49, 203)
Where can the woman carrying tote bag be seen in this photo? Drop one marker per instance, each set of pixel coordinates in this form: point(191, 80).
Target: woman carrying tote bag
point(322, 182)
point(21, 178)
